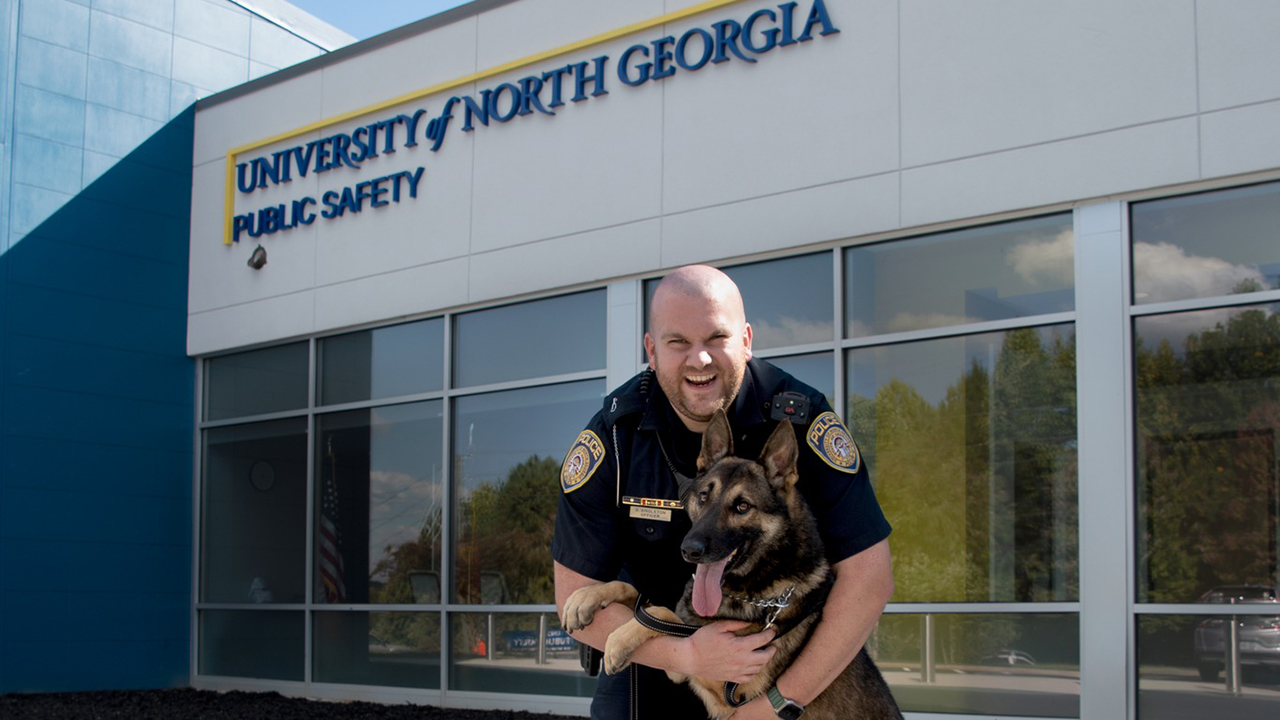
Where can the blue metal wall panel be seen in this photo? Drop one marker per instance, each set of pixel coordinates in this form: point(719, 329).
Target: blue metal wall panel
point(96, 427)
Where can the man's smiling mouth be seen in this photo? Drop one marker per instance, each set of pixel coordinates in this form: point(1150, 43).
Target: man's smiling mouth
point(700, 380)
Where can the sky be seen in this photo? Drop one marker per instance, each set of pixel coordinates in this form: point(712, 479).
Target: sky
point(373, 17)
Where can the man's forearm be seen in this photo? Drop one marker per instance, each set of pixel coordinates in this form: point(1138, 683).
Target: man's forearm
point(664, 653)
point(714, 651)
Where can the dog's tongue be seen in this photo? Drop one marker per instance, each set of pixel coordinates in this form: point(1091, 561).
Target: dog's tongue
point(706, 587)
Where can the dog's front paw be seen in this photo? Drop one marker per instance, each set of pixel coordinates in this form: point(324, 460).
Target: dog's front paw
point(622, 643)
point(581, 607)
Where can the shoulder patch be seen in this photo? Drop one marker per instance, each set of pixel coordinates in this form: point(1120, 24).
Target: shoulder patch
point(833, 443)
point(581, 462)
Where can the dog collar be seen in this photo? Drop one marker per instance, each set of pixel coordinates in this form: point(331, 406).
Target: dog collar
point(775, 605)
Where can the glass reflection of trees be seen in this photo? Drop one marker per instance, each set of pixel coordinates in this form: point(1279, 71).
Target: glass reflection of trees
point(506, 462)
point(508, 525)
point(1208, 410)
point(981, 482)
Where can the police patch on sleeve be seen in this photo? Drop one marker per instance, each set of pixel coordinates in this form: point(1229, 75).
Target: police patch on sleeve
point(584, 457)
point(832, 442)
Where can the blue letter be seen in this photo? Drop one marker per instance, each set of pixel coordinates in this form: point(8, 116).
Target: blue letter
point(436, 128)
point(357, 141)
point(240, 223)
point(788, 19)
point(341, 142)
point(643, 67)
point(707, 47)
point(322, 154)
point(770, 35)
point(240, 178)
point(727, 32)
point(818, 15)
point(662, 58)
point(411, 127)
point(556, 77)
point(331, 209)
point(376, 191)
point(492, 99)
point(581, 78)
point(300, 214)
point(480, 110)
point(414, 178)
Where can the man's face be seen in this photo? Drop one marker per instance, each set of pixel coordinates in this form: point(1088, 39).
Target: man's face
point(699, 347)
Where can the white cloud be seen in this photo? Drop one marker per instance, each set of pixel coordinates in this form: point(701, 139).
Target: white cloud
point(791, 331)
point(905, 322)
point(1164, 272)
point(1052, 259)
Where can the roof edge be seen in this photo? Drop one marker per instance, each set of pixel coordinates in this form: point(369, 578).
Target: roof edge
point(347, 52)
point(299, 22)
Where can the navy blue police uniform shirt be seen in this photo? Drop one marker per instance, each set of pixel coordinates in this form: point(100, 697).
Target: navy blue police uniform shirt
point(623, 522)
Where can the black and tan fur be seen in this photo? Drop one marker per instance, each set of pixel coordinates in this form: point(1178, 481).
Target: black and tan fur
point(755, 510)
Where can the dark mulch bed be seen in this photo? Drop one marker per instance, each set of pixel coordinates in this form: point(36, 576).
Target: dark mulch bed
point(184, 704)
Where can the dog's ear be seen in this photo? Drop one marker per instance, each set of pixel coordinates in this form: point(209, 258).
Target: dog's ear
point(779, 457)
point(717, 441)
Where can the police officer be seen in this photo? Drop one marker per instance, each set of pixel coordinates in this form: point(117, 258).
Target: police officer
point(619, 515)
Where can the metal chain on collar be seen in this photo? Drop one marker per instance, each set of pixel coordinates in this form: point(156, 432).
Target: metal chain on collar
point(778, 604)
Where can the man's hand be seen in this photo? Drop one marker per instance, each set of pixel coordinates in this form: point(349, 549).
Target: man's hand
point(717, 654)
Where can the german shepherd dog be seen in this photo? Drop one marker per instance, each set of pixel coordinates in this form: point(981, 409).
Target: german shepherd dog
point(760, 559)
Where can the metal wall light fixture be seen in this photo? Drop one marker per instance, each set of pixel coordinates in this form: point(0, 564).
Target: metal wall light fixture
point(258, 258)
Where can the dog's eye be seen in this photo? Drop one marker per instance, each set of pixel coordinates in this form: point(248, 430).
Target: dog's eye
point(743, 507)
point(702, 497)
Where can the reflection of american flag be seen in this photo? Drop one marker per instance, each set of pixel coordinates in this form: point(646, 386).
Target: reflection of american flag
point(331, 569)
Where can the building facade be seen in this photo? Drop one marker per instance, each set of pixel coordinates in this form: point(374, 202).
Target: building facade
point(1028, 251)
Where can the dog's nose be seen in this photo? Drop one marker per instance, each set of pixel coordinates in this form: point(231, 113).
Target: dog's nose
point(693, 549)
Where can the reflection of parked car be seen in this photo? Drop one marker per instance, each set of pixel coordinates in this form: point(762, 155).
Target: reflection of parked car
point(1009, 657)
point(1258, 635)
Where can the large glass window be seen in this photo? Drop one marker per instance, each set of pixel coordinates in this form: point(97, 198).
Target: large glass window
point(518, 652)
point(398, 649)
point(788, 301)
point(813, 369)
point(256, 382)
point(1206, 458)
point(554, 336)
point(368, 483)
point(1208, 417)
point(254, 513)
point(1210, 244)
point(252, 644)
point(1210, 666)
point(507, 449)
point(372, 364)
point(971, 444)
point(379, 504)
point(995, 272)
point(990, 664)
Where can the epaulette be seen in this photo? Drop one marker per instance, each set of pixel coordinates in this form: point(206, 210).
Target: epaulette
point(631, 397)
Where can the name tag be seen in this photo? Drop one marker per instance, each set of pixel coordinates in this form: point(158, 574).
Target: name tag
point(650, 513)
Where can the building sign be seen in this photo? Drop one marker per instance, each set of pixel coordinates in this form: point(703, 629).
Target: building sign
point(542, 91)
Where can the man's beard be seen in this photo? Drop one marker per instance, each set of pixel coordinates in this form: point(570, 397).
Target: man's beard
point(674, 388)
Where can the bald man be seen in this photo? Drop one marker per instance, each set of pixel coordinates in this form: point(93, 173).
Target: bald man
point(634, 458)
